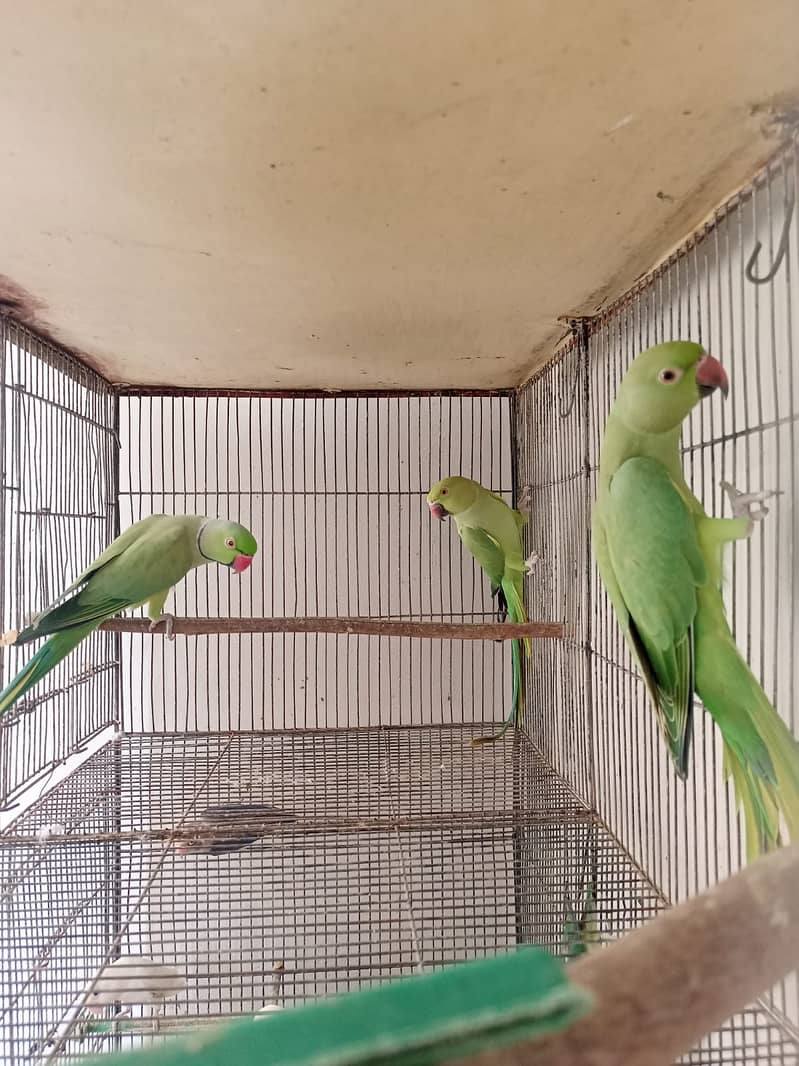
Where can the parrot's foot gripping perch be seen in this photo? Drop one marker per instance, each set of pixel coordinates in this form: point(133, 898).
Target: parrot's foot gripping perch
point(169, 625)
point(749, 505)
point(531, 562)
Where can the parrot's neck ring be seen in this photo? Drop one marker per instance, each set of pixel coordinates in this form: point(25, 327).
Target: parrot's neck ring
point(199, 538)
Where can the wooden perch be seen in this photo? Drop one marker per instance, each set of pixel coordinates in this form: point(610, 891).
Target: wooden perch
point(661, 989)
point(366, 627)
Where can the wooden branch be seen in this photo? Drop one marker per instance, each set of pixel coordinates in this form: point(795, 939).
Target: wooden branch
point(371, 627)
point(659, 990)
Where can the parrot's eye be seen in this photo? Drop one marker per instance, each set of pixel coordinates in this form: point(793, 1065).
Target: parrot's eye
point(444, 492)
point(669, 375)
point(230, 543)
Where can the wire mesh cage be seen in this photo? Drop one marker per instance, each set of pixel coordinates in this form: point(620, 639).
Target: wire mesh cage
point(684, 835)
point(280, 816)
point(57, 508)
point(335, 496)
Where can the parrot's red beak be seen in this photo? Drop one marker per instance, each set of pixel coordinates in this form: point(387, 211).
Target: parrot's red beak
point(242, 563)
point(437, 511)
point(711, 375)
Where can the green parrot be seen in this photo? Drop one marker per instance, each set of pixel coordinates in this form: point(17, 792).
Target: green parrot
point(141, 566)
point(660, 558)
point(491, 531)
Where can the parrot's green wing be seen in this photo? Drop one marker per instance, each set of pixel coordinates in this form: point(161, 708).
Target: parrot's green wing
point(136, 570)
point(496, 495)
point(651, 547)
point(487, 551)
point(72, 614)
point(506, 585)
point(519, 518)
point(602, 554)
point(117, 547)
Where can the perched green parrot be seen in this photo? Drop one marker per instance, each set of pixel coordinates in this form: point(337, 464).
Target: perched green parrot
point(141, 566)
point(660, 557)
point(491, 531)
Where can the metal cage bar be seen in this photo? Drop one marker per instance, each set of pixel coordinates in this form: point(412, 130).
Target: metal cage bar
point(59, 451)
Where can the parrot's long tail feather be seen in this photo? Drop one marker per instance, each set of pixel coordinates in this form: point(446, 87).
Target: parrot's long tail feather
point(516, 613)
point(515, 712)
point(761, 756)
point(49, 655)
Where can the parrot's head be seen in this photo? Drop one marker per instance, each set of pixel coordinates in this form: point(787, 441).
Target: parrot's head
point(227, 543)
point(452, 496)
point(665, 383)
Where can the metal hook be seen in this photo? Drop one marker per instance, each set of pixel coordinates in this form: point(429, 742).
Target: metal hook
point(782, 248)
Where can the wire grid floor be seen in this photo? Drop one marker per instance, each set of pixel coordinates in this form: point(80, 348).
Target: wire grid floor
point(408, 850)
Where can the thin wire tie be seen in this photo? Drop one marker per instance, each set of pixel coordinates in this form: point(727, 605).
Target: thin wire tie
point(579, 328)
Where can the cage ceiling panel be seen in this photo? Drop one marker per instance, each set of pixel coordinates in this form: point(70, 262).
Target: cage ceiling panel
point(347, 195)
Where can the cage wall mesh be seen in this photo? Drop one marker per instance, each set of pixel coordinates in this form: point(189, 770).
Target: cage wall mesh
point(57, 512)
point(586, 693)
point(397, 846)
point(334, 492)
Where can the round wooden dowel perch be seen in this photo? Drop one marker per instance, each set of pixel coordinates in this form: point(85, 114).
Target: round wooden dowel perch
point(364, 627)
point(661, 989)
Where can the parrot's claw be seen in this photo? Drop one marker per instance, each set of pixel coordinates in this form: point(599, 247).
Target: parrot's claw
point(8, 638)
point(169, 625)
point(749, 505)
point(525, 499)
point(531, 561)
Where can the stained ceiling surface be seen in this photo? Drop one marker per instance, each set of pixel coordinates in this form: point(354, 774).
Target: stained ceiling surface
point(363, 193)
